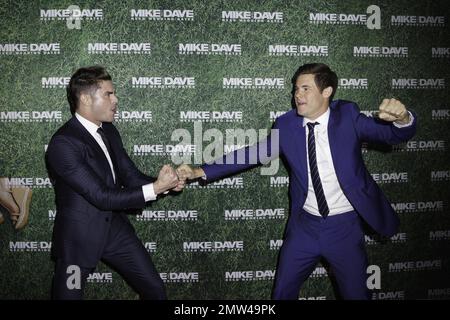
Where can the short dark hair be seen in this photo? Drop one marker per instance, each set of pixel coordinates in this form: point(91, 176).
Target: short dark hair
point(84, 79)
point(324, 77)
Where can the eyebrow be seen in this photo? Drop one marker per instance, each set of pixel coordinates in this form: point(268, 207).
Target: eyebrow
point(303, 86)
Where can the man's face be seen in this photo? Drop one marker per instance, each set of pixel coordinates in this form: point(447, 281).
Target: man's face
point(310, 102)
point(102, 103)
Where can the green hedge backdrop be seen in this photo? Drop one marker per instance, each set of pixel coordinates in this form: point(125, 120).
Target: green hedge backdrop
point(211, 56)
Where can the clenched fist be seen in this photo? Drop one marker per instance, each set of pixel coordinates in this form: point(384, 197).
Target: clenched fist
point(187, 172)
point(167, 179)
point(393, 110)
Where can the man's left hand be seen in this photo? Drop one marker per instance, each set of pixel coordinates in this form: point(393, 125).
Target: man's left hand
point(393, 110)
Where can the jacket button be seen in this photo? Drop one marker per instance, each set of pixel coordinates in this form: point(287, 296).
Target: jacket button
point(106, 219)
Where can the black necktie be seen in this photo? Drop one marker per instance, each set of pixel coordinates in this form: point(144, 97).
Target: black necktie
point(105, 139)
point(317, 184)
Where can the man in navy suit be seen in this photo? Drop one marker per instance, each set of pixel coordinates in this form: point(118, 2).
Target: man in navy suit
point(95, 182)
point(330, 189)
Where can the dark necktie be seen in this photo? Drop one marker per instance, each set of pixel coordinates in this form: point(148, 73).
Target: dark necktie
point(317, 184)
point(105, 139)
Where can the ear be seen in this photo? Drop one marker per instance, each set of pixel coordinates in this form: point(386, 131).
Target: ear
point(326, 93)
point(85, 99)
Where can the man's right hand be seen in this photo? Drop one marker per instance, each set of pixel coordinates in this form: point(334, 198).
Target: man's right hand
point(167, 179)
point(185, 171)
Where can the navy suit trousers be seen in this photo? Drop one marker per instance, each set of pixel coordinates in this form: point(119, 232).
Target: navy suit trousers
point(124, 253)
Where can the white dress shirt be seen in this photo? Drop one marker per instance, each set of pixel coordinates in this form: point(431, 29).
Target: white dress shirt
point(148, 190)
point(336, 199)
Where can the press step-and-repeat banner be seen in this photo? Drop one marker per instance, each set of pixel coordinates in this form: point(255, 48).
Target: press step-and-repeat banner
point(219, 71)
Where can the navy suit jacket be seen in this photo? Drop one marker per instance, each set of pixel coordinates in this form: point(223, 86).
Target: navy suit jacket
point(347, 129)
point(86, 196)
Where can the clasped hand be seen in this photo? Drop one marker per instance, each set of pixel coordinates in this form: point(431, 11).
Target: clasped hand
point(168, 179)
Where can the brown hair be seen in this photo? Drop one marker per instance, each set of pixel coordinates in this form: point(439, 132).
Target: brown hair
point(324, 77)
point(85, 79)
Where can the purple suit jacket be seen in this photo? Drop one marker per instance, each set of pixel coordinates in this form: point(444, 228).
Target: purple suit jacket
point(347, 129)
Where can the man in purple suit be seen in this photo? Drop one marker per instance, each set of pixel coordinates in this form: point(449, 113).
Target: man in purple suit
point(331, 191)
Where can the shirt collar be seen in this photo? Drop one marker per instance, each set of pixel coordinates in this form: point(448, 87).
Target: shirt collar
point(322, 120)
point(88, 125)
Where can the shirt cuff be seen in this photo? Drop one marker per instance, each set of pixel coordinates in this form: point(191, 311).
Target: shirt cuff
point(411, 120)
point(149, 192)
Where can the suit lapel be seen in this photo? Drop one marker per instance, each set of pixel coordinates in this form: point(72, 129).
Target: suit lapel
point(334, 138)
point(114, 151)
point(299, 141)
point(87, 138)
